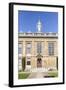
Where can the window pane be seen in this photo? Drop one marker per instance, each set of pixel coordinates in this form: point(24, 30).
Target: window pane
point(28, 48)
point(20, 56)
point(28, 62)
point(20, 49)
point(51, 48)
point(39, 47)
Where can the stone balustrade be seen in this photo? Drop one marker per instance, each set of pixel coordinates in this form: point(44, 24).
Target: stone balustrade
point(50, 34)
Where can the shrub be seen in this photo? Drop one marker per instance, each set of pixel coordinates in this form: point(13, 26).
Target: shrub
point(23, 63)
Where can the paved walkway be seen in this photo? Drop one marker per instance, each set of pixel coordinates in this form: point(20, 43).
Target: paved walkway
point(37, 75)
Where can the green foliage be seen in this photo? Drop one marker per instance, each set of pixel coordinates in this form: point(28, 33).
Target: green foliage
point(23, 63)
point(57, 62)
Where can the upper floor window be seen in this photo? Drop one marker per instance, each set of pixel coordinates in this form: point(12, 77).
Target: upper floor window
point(19, 48)
point(28, 48)
point(51, 48)
point(39, 47)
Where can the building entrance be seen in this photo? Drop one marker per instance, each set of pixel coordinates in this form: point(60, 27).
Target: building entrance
point(39, 62)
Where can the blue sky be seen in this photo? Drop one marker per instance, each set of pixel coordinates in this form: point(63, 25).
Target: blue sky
point(27, 21)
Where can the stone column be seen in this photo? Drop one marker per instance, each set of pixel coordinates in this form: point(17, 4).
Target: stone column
point(45, 48)
point(33, 48)
point(33, 54)
point(45, 54)
point(56, 48)
point(24, 48)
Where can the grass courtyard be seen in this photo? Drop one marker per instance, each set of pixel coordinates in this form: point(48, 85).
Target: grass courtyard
point(26, 75)
point(53, 73)
point(23, 75)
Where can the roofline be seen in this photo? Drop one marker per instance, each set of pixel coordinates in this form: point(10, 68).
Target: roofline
point(37, 36)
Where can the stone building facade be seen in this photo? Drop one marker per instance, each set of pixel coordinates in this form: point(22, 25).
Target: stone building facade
point(40, 50)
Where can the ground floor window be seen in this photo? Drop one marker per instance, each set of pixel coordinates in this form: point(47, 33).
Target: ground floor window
point(28, 63)
point(28, 60)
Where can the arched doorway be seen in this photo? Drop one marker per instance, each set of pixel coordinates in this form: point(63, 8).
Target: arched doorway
point(39, 62)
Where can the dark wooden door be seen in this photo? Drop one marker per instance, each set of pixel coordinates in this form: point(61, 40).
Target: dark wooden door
point(39, 62)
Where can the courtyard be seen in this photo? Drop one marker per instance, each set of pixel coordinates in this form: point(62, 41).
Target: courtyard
point(30, 75)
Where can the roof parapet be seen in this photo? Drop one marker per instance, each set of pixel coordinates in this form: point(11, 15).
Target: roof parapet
point(50, 34)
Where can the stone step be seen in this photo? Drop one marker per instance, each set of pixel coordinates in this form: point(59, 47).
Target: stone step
point(39, 70)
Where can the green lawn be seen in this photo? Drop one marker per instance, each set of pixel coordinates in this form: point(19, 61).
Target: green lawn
point(53, 73)
point(23, 75)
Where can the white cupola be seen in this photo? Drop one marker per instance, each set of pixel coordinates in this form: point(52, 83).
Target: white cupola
point(39, 25)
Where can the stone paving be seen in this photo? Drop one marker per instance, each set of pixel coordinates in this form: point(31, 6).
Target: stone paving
point(37, 75)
